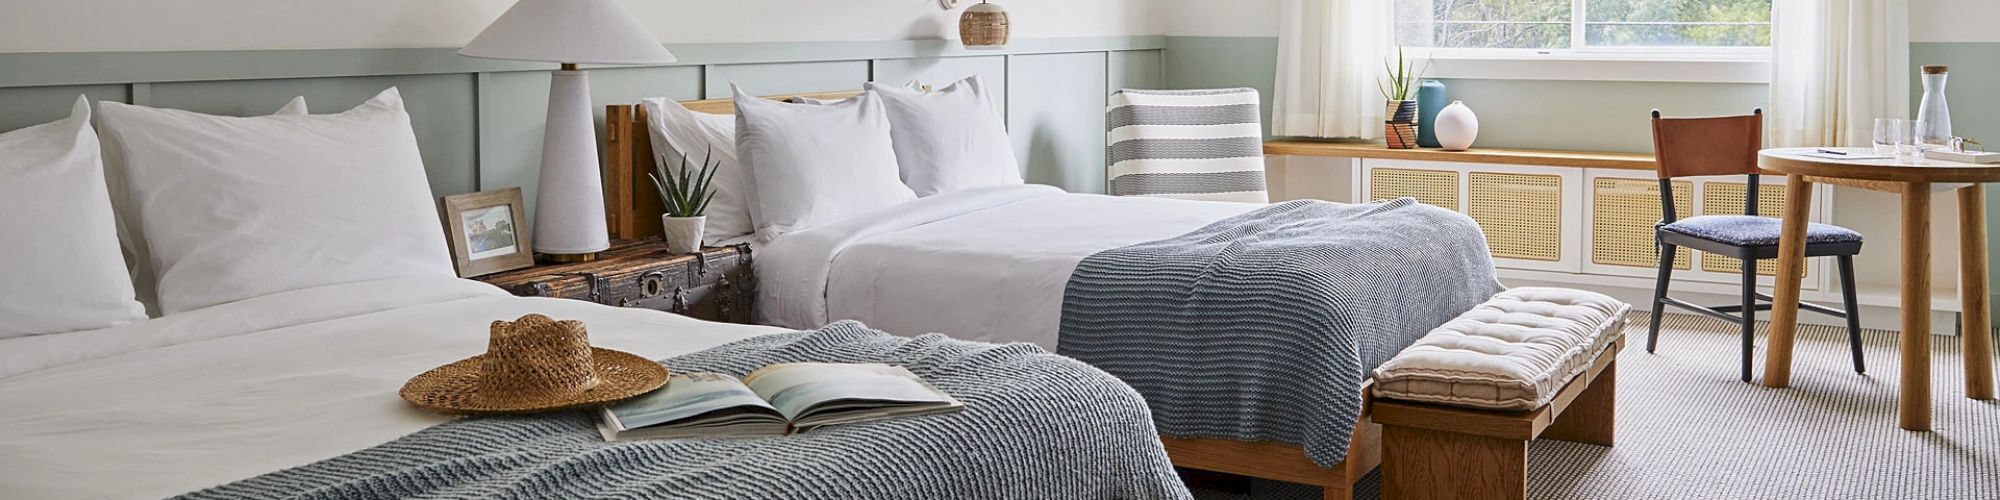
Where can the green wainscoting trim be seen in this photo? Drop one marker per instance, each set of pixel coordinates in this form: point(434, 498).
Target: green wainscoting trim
point(1205, 62)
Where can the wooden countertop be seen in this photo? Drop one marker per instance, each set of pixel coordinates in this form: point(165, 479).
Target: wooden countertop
point(1547, 158)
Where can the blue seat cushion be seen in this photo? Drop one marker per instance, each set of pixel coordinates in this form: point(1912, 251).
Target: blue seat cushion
point(1749, 231)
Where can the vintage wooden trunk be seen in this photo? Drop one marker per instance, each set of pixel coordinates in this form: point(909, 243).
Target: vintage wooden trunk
point(715, 285)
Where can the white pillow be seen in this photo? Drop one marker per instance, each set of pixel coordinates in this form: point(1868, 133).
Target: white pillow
point(229, 208)
point(950, 138)
point(60, 269)
point(136, 259)
point(677, 130)
point(813, 164)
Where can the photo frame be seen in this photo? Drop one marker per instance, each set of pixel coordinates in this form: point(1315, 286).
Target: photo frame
point(488, 231)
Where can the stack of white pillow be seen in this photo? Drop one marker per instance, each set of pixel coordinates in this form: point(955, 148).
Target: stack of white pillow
point(208, 209)
point(177, 210)
point(788, 166)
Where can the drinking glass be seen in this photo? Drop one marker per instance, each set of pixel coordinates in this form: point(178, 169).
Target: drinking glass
point(1891, 135)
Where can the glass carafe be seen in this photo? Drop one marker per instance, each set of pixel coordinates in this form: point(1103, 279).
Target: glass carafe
point(1933, 116)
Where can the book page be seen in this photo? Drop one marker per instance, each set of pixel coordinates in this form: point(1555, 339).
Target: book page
point(688, 396)
point(796, 389)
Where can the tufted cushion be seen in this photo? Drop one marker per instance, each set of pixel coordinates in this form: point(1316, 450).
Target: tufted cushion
point(1513, 352)
point(1750, 231)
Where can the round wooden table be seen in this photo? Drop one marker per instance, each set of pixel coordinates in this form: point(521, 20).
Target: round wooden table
point(1915, 179)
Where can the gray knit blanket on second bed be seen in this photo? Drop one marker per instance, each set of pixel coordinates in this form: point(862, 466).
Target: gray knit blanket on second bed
point(1263, 326)
point(1035, 425)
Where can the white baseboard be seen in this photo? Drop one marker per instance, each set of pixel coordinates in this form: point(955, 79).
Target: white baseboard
point(1872, 317)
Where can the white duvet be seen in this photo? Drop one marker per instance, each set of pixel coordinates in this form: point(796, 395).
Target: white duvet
point(986, 264)
point(179, 403)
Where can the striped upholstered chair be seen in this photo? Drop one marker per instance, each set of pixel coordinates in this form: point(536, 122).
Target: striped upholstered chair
point(1193, 144)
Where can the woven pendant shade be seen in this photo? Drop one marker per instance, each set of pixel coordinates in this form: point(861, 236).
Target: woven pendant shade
point(983, 26)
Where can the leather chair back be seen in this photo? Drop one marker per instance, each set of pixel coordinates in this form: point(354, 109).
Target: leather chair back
point(1722, 145)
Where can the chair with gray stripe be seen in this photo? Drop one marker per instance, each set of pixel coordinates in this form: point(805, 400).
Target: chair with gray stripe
point(1192, 144)
point(1727, 145)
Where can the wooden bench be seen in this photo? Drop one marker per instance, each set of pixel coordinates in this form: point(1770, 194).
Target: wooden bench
point(1445, 452)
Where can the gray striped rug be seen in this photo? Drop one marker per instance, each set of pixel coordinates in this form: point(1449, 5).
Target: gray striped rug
point(1688, 429)
point(1194, 144)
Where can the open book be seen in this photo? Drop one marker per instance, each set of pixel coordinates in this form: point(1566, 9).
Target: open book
point(773, 401)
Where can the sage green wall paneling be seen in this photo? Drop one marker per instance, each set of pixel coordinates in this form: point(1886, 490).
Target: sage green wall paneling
point(785, 78)
point(1975, 109)
point(1592, 116)
point(516, 106)
point(1137, 69)
point(1056, 118)
point(441, 108)
point(26, 106)
point(938, 72)
point(1207, 62)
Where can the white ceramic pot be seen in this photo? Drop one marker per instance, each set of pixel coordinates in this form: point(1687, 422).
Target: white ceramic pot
point(683, 234)
point(1456, 127)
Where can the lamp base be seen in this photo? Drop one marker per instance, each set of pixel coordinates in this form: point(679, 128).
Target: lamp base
point(569, 199)
point(566, 258)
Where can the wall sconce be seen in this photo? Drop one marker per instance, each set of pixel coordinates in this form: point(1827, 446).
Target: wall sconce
point(982, 26)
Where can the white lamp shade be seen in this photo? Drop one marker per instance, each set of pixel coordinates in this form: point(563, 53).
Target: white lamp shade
point(568, 31)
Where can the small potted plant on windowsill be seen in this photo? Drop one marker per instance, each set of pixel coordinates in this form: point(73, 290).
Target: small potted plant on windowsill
point(685, 195)
point(1400, 113)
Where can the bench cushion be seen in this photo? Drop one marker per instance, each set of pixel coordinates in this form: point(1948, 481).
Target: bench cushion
point(1513, 352)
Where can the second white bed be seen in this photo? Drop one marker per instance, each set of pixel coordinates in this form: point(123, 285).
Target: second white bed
point(987, 264)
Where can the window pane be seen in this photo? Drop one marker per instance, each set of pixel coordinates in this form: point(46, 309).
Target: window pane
point(1529, 24)
point(1678, 23)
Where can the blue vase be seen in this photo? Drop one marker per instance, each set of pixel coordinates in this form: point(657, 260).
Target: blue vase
point(1430, 100)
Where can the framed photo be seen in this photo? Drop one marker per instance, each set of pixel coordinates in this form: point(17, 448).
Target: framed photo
point(488, 232)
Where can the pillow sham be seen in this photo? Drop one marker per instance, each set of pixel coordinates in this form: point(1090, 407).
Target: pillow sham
point(61, 269)
point(229, 208)
point(676, 130)
point(950, 138)
point(141, 270)
point(813, 164)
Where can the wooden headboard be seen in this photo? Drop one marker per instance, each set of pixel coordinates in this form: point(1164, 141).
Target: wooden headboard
point(632, 205)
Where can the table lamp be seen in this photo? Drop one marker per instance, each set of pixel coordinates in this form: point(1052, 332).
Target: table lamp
point(569, 202)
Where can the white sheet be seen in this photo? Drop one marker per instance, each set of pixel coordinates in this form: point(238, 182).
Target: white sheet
point(176, 404)
point(986, 264)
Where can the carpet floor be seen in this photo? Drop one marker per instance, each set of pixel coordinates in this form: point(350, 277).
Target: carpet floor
point(1688, 428)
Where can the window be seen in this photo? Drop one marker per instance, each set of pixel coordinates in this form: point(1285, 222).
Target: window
point(1585, 26)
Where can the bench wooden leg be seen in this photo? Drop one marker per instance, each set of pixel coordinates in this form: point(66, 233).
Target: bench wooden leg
point(1427, 464)
point(1591, 418)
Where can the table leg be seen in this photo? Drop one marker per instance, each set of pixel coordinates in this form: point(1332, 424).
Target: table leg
point(1915, 344)
point(1977, 334)
point(1791, 271)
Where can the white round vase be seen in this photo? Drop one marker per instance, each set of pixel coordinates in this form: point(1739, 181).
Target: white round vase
point(683, 234)
point(1456, 127)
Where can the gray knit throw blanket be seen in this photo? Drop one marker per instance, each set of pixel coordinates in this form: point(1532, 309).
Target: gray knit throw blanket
point(1035, 425)
point(1263, 326)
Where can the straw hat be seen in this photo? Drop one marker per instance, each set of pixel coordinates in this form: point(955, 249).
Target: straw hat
point(535, 364)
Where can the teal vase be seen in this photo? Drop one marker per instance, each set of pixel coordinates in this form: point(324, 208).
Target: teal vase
point(1430, 100)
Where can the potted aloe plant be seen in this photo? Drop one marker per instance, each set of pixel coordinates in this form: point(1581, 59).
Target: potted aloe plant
point(685, 194)
point(1400, 113)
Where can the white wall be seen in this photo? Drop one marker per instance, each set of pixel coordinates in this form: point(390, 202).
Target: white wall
point(157, 25)
point(1954, 21)
point(1217, 17)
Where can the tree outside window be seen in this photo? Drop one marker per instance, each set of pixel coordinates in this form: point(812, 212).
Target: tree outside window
point(1583, 24)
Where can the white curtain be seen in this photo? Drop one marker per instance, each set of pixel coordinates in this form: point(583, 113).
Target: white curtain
point(1330, 56)
point(1836, 66)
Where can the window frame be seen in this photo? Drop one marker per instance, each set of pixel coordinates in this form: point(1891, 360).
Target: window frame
point(1603, 63)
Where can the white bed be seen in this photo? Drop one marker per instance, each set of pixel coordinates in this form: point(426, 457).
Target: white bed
point(986, 264)
point(171, 405)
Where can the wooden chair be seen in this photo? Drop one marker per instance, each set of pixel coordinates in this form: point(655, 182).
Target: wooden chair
point(1690, 147)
